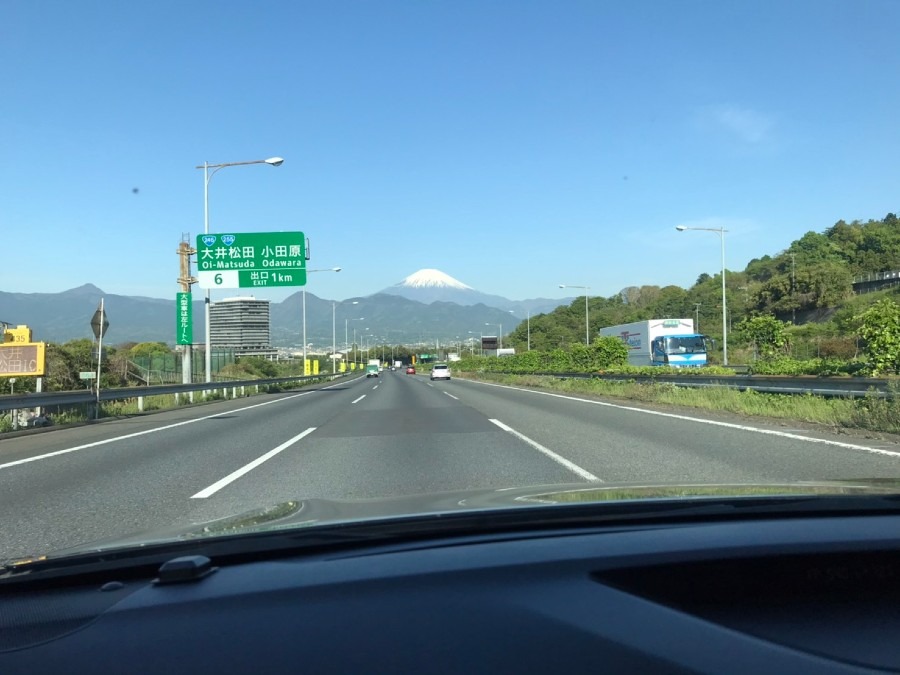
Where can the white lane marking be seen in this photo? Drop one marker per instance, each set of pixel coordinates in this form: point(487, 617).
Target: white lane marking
point(429, 384)
point(358, 400)
point(571, 466)
point(700, 420)
point(375, 387)
point(153, 431)
point(451, 396)
point(234, 475)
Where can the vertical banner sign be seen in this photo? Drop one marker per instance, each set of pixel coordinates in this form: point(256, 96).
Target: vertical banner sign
point(184, 322)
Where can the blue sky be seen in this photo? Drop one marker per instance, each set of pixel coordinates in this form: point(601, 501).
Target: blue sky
point(512, 145)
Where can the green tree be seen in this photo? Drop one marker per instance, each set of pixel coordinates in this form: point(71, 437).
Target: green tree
point(259, 366)
point(766, 333)
point(671, 302)
point(879, 326)
point(150, 349)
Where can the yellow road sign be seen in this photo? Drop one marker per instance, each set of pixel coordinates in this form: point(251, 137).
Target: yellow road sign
point(19, 359)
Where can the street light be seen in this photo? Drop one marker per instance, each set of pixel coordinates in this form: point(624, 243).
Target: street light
point(355, 343)
point(721, 232)
point(207, 176)
point(333, 338)
point(481, 337)
point(587, 323)
point(529, 330)
point(326, 269)
point(346, 322)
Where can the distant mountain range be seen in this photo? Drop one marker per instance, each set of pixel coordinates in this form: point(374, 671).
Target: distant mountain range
point(426, 306)
point(59, 317)
point(429, 285)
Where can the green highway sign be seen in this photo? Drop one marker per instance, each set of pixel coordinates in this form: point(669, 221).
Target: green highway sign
point(251, 260)
point(184, 326)
point(266, 278)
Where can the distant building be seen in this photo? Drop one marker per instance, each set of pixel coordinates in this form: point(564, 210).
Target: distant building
point(241, 324)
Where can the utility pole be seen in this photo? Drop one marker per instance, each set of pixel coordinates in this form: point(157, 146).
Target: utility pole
point(697, 314)
point(793, 294)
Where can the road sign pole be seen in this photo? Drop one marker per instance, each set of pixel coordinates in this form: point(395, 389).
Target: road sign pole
point(207, 355)
point(304, 331)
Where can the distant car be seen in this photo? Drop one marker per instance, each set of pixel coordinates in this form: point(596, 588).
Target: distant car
point(410, 370)
point(440, 371)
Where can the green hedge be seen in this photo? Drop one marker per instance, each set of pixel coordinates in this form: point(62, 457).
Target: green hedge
point(823, 367)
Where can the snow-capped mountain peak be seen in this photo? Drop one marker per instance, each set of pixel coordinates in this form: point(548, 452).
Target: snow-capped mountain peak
point(430, 278)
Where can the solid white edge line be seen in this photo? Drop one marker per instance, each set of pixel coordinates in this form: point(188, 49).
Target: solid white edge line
point(700, 420)
point(152, 431)
point(358, 400)
point(451, 396)
point(234, 475)
point(571, 466)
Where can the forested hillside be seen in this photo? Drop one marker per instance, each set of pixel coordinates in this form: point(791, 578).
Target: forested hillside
point(809, 284)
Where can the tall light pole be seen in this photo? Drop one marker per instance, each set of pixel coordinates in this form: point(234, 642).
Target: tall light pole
point(326, 269)
point(355, 343)
point(721, 232)
point(587, 323)
point(333, 338)
point(481, 343)
point(793, 294)
point(346, 322)
point(207, 176)
point(529, 330)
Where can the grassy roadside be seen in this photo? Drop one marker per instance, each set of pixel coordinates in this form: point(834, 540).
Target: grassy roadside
point(867, 413)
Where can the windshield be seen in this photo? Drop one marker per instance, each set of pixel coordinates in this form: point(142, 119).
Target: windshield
point(229, 224)
point(685, 345)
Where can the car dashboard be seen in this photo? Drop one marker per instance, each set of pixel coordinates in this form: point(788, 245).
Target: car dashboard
point(753, 595)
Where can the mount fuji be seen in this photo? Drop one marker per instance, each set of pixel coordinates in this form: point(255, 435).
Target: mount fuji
point(431, 285)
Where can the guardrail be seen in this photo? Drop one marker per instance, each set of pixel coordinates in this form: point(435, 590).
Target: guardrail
point(771, 384)
point(66, 398)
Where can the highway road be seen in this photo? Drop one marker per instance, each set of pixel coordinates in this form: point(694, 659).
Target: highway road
point(395, 435)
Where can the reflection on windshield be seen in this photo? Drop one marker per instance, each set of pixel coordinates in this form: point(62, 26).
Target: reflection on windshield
point(685, 345)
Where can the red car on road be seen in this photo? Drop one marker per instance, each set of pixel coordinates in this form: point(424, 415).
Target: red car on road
point(410, 370)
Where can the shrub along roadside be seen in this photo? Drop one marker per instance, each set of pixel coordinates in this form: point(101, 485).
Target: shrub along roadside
point(869, 412)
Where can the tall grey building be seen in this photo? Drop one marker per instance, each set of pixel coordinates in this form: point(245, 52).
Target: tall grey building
point(241, 324)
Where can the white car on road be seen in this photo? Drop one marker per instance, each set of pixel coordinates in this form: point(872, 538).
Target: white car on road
point(440, 371)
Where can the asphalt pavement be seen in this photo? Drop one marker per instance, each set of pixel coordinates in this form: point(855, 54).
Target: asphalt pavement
point(364, 438)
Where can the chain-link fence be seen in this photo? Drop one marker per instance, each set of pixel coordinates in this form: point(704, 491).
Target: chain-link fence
point(166, 368)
